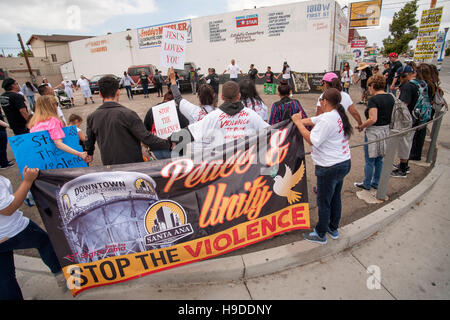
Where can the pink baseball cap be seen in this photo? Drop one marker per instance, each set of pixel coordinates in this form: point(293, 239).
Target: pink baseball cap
point(329, 76)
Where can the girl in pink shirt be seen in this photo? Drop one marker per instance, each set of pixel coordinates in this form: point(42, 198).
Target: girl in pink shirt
point(46, 118)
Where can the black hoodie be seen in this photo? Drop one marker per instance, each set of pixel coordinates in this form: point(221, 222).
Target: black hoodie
point(231, 108)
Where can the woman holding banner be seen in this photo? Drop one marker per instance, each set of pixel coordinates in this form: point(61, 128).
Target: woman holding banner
point(331, 156)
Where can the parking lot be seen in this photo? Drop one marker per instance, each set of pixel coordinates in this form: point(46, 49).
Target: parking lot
point(353, 208)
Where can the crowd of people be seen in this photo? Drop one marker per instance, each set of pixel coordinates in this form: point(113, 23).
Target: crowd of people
point(121, 134)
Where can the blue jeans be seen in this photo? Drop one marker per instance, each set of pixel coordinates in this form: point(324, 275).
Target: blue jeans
point(145, 88)
point(372, 168)
point(162, 154)
point(32, 102)
point(329, 187)
point(31, 237)
point(129, 92)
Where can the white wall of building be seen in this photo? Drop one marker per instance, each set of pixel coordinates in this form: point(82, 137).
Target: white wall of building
point(299, 33)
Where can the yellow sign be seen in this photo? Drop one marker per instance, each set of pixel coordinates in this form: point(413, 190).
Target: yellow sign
point(365, 14)
point(426, 41)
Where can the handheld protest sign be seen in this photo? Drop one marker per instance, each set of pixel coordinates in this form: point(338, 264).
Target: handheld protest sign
point(37, 150)
point(166, 119)
point(173, 48)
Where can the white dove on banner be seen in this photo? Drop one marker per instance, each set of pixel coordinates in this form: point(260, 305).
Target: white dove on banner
point(283, 185)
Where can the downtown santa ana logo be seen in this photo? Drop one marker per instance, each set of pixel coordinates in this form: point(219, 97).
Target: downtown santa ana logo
point(166, 223)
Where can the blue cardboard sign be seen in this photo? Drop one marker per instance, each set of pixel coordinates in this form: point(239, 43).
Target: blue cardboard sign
point(37, 150)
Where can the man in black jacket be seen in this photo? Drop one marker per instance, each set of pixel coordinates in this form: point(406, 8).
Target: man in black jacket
point(14, 106)
point(118, 130)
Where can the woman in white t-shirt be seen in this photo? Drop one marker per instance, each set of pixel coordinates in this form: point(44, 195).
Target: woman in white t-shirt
point(251, 99)
point(331, 156)
point(331, 80)
point(19, 232)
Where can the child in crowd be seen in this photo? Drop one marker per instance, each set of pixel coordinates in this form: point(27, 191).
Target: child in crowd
point(19, 232)
point(45, 118)
point(76, 120)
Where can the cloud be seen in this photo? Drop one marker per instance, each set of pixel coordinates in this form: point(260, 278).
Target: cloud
point(67, 15)
point(234, 5)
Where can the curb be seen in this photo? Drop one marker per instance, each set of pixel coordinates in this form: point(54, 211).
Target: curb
point(255, 264)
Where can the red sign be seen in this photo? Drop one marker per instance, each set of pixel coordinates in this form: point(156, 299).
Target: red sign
point(358, 44)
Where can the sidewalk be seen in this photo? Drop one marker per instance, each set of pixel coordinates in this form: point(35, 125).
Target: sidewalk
point(405, 256)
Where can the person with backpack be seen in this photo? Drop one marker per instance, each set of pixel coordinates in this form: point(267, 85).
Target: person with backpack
point(438, 102)
point(426, 87)
point(378, 114)
point(285, 107)
point(409, 94)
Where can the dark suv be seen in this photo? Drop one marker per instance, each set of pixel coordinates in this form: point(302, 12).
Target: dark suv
point(93, 83)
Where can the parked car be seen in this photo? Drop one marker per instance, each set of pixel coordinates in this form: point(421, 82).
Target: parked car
point(135, 72)
point(93, 83)
point(185, 84)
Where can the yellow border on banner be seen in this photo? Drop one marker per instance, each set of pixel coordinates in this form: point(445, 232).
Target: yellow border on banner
point(117, 269)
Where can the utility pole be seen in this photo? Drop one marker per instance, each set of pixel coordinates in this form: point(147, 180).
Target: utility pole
point(33, 79)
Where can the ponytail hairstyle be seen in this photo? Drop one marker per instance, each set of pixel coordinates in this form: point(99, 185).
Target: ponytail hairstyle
point(333, 96)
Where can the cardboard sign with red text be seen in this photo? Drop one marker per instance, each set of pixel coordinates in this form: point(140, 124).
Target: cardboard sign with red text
point(166, 119)
point(173, 48)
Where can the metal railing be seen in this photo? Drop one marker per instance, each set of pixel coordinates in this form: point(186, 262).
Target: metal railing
point(392, 146)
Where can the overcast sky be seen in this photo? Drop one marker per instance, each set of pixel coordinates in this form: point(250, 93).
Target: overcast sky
point(87, 17)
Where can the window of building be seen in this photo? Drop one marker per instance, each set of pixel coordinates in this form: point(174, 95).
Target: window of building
point(54, 57)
